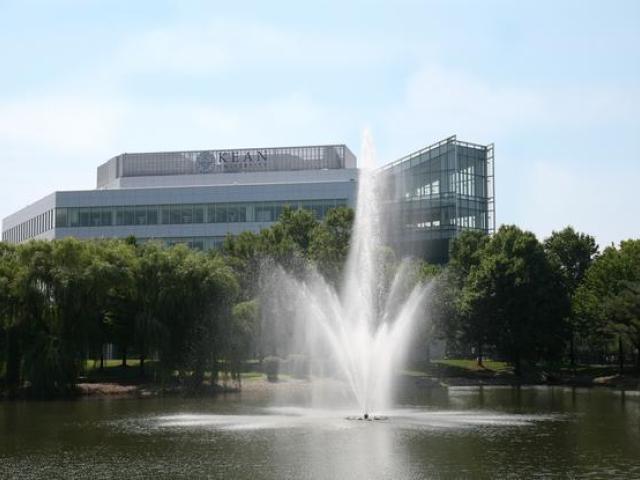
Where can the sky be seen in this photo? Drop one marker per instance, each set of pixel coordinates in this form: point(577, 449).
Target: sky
point(555, 85)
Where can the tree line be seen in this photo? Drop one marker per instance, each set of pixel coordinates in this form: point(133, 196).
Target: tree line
point(527, 302)
point(198, 314)
point(195, 313)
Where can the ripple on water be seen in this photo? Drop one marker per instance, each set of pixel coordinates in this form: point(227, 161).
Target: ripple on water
point(324, 419)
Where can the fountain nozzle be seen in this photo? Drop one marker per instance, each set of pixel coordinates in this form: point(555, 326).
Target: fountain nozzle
point(366, 416)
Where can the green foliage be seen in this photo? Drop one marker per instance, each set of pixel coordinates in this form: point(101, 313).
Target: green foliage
point(571, 253)
point(609, 297)
point(513, 299)
point(467, 252)
point(330, 243)
point(61, 301)
point(192, 312)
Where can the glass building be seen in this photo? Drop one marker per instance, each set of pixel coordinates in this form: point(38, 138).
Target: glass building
point(199, 197)
point(433, 194)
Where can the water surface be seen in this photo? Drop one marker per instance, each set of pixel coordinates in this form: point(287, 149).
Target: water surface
point(436, 433)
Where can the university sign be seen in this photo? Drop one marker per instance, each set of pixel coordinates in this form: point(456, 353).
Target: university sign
point(214, 161)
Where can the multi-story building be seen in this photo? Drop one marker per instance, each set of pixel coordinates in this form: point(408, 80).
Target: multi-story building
point(433, 194)
point(199, 197)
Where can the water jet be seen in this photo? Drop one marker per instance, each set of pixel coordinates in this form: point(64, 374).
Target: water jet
point(362, 323)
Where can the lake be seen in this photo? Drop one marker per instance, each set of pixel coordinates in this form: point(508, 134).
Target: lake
point(470, 432)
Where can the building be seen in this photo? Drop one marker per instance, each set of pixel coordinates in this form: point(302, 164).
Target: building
point(199, 197)
point(437, 192)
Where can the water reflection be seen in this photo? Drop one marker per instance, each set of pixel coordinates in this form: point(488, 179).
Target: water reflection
point(452, 433)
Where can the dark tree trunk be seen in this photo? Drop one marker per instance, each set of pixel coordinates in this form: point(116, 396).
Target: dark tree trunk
point(214, 368)
point(102, 360)
point(12, 376)
point(517, 366)
point(142, 357)
point(480, 356)
point(620, 356)
point(572, 351)
point(124, 357)
point(197, 377)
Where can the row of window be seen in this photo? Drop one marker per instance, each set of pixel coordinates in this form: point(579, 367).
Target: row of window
point(30, 228)
point(263, 212)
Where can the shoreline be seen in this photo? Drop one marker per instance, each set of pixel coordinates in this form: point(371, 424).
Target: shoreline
point(126, 390)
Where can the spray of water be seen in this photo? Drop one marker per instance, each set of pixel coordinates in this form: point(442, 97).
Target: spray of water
point(365, 326)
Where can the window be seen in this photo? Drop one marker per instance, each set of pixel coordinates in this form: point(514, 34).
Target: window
point(198, 213)
point(264, 213)
point(221, 213)
point(140, 215)
point(85, 217)
point(166, 215)
point(152, 215)
point(129, 215)
point(61, 217)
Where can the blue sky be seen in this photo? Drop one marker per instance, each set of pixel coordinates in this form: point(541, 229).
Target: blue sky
point(554, 84)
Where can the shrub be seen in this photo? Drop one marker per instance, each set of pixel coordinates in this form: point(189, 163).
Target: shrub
point(270, 367)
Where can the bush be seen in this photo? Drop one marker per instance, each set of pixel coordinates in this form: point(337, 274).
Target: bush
point(270, 367)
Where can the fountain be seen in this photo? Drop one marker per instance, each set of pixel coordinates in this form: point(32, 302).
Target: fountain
point(360, 325)
point(364, 325)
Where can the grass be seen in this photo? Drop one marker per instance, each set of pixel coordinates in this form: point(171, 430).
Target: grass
point(459, 368)
point(472, 365)
point(95, 364)
point(114, 372)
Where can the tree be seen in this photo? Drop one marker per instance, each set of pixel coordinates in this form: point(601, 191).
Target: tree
point(329, 246)
point(517, 295)
point(466, 253)
point(299, 226)
point(10, 326)
point(455, 318)
point(571, 253)
point(608, 296)
point(241, 336)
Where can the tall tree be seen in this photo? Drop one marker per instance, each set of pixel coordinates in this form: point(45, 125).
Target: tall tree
point(470, 326)
point(572, 253)
point(518, 294)
point(608, 295)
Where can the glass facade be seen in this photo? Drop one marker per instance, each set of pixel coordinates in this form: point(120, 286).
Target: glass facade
point(434, 193)
point(177, 214)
